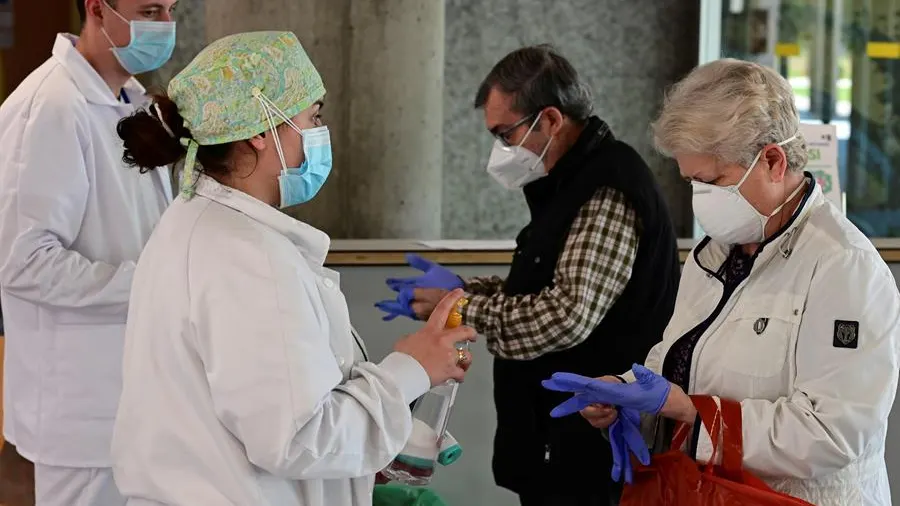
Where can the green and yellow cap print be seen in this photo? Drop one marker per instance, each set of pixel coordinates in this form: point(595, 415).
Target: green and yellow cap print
point(220, 93)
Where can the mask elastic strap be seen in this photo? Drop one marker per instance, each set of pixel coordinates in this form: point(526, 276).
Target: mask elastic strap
point(103, 30)
point(159, 116)
point(106, 2)
point(108, 39)
point(789, 139)
point(278, 112)
point(531, 128)
point(543, 153)
point(790, 197)
point(265, 105)
point(759, 154)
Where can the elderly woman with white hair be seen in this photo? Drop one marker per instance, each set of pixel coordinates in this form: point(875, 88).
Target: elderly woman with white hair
point(785, 306)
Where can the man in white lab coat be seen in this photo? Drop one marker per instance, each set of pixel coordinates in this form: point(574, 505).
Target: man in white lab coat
point(73, 221)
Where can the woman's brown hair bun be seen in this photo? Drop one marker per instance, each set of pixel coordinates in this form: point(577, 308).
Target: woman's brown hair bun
point(148, 144)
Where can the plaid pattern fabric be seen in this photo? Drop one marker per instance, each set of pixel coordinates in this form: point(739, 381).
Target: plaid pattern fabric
point(484, 286)
point(591, 273)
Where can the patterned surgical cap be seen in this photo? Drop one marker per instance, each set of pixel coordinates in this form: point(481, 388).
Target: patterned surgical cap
point(218, 93)
point(215, 92)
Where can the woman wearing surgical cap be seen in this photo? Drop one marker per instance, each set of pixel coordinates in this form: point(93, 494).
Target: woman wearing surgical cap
point(785, 306)
point(244, 383)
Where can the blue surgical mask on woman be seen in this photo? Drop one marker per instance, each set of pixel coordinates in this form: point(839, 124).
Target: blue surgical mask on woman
point(152, 44)
point(298, 185)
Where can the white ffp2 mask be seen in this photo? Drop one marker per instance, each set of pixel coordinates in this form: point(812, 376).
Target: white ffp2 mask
point(516, 166)
point(726, 216)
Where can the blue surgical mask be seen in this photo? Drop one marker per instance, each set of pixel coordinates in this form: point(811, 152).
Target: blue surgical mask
point(300, 185)
point(151, 46)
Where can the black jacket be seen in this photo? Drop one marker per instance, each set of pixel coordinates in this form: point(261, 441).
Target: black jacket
point(533, 452)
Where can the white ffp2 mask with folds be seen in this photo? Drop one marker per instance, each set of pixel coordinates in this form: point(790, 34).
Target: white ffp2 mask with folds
point(516, 166)
point(726, 215)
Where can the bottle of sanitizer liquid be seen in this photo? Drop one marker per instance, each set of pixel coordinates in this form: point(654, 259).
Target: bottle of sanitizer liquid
point(429, 444)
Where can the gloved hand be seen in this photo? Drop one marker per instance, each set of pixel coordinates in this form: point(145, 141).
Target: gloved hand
point(646, 395)
point(625, 438)
point(401, 306)
point(435, 276)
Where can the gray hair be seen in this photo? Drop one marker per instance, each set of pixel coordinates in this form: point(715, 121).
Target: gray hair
point(538, 77)
point(730, 109)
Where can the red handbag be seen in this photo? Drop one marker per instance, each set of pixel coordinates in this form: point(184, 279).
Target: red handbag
point(675, 479)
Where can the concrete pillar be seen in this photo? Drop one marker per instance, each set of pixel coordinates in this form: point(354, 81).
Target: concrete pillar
point(396, 69)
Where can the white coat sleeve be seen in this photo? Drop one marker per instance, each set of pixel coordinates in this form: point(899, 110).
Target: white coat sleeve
point(842, 393)
point(52, 190)
point(274, 380)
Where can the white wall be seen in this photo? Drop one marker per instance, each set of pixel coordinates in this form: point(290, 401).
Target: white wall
point(470, 481)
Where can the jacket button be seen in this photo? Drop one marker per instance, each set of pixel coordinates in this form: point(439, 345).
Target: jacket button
point(537, 260)
point(329, 283)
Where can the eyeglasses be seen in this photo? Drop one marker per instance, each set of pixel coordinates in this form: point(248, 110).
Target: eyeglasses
point(503, 136)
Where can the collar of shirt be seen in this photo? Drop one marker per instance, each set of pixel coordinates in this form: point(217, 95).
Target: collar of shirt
point(88, 81)
point(539, 192)
point(312, 242)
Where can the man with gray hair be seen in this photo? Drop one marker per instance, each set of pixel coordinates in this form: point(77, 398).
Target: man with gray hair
point(592, 283)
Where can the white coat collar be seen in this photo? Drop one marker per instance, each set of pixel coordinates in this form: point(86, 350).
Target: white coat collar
point(710, 255)
point(88, 81)
point(312, 242)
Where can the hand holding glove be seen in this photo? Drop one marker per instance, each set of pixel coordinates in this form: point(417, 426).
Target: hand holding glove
point(647, 394)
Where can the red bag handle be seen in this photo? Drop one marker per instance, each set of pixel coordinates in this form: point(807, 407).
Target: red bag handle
point(725, 417)
point(732, 439)
point(711, 418)
point(727, 414)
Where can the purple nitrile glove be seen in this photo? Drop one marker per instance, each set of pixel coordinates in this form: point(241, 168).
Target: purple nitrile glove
point(435, 276)
point(401, 306)
point(647, 394)
point(625, 438)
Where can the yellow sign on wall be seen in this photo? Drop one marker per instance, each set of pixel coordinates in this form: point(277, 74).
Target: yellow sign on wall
point(883, 50)
point(784, 49)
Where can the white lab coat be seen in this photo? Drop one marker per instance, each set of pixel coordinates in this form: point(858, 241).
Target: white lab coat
point(815, 411)
point(73, 221)
point(244, 383)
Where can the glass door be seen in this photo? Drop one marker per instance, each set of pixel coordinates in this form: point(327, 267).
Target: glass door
point(842, 58)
